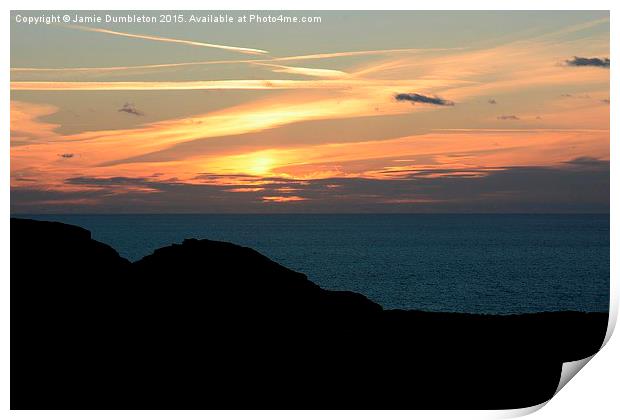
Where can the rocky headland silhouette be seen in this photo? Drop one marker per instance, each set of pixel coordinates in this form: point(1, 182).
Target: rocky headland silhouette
point(212, 325)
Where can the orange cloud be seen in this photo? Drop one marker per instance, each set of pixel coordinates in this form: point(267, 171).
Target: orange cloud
point(26, 126)
point(284, 199)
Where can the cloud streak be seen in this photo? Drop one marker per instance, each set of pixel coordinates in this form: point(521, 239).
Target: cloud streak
point(184, 85)
point(242, 50)
point(348, 84)
point(526, 189)
point(588, 62)
point(257, 61)
point(130, 108)
point(422, 99)
point(126, 68)
point(304, 71)
point(359, 53)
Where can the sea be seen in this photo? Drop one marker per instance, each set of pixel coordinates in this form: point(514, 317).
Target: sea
point(471, 263)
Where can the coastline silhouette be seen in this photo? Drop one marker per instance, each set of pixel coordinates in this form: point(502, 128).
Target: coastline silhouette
point(212, 325)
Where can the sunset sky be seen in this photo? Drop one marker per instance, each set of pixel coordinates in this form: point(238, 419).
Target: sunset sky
point(363, 112)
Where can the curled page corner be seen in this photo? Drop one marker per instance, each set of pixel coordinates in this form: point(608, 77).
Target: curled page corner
point(569, 370)
point(613, 316)
point(519, 412)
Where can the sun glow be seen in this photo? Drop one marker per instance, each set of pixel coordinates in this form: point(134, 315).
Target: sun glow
point(260, 165)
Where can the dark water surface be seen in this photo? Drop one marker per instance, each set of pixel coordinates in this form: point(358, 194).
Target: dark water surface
point(458, 263)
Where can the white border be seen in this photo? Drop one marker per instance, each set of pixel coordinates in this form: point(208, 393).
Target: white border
point(593, 394)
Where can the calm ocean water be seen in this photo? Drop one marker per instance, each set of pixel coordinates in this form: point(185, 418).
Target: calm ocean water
point(460, 263)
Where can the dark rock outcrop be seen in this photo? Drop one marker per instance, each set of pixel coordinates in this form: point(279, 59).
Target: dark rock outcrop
point(209, 324)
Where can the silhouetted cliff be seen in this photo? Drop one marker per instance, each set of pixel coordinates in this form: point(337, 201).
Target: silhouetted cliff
point(209, 324)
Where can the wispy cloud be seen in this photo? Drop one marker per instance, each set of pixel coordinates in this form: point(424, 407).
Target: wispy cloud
point(276, 68)
point(26, 126)
point(588, 62)
point(242, 50)
point(422, 99)
point(359, 53)
point(256, 61)
point(570, 95)
point(183, 85)
point(587, 161)
point(130, 108)
point(125, 68)
point(304, 71)
point(508, 117)
point(348, 84)
point(283, 198)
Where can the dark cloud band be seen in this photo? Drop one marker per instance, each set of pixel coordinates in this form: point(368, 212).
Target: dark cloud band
point(588, 62)
point(422, 99)
point(580, 185)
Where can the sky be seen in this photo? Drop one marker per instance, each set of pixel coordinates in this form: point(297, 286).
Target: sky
point(431, 112)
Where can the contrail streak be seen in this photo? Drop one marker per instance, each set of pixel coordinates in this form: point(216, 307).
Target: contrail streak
point(316, 72)
point(356, 53)
point(257, 61)
point(242, 50)
point(305, 71)
point(188, 85)
point(122, 68)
